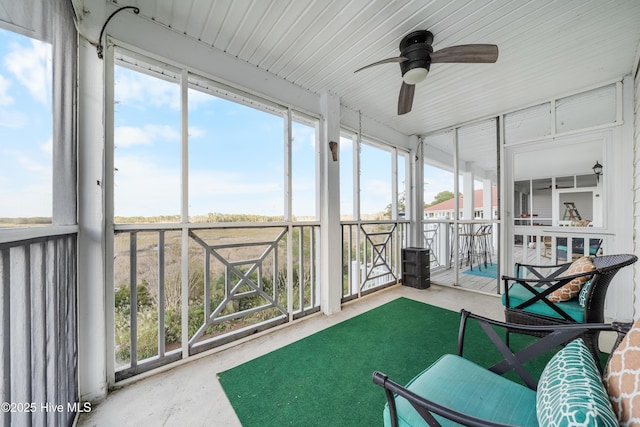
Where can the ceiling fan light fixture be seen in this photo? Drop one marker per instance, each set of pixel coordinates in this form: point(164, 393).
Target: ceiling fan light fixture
point(415, 75)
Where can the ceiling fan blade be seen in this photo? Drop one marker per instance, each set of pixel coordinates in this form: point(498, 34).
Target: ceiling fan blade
point(472, 53)
point(383, 61)
point(405, 100)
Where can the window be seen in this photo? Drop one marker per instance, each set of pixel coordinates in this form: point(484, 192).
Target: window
point(303, 168)
point(238, 162)
point(26, 131)
point(347, 144)
point(375, 182)
point(236, 158)
point(146, 147)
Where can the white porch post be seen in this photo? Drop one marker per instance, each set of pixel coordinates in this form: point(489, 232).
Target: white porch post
point(467, 193)
point(330, 230)
point(415, 190)
point(92, 352)
point(487, 199)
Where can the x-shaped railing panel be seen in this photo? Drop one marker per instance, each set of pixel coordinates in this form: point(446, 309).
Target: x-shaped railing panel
point(381, 262)
point(233, 289)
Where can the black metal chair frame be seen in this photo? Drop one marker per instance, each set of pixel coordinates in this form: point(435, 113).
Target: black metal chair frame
point(546, 280)
point(551, 337)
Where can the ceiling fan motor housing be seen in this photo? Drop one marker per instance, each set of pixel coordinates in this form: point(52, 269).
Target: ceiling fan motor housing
point(420, 36)
point(416, 47)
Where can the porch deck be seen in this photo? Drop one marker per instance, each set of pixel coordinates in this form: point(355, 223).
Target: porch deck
point(190, 393)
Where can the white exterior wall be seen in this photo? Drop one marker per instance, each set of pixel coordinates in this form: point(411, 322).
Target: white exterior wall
point(587, 135)
point(636, 185)
point(619, 208)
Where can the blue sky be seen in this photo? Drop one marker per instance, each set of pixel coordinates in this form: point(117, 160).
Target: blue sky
point(236, 155)
point(25, 127)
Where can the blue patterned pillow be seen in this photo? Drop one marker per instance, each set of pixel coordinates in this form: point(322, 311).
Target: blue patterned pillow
point(570, 390)
point(582, 298)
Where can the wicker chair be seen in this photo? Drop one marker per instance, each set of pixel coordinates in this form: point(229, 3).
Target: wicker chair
point(525, 295)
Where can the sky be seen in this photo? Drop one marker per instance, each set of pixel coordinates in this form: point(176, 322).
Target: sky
point(25, 127)
point(236, 153)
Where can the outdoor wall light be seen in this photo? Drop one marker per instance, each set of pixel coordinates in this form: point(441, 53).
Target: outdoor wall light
point(597, 169)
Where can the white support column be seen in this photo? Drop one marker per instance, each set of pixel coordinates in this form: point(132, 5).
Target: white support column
point(415, 191)
point(467, 193)
point(184, 207)
point(330, 230)
point(619, 189)
point(92, 313)
point(487, 199)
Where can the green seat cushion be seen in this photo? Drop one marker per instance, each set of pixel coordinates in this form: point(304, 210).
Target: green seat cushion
point(460, 384)
point(571, 392)
point(593, 249)
point(519, 294)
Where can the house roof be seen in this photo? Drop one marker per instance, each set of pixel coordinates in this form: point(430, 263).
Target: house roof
point(449, 205)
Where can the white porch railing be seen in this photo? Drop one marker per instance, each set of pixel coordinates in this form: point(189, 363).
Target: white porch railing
point(555, 245)
point(39, 344)
point(371, 257)
point(239, 280)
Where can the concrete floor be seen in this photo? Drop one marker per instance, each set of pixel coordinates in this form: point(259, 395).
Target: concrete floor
point(190, 394)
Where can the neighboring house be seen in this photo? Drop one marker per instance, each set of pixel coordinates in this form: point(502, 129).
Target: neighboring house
point(445, 210)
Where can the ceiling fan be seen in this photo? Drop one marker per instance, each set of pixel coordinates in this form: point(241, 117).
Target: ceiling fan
point(417, 55)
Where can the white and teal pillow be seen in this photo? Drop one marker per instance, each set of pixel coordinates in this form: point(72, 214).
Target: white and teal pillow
point(582, 298)
point(571, 392)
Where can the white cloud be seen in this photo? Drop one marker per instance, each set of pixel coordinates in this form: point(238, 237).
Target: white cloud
point(5, 98)
point(31, 165)
point(231, 192)
point(31, 66)
point(203, 184)
point(12, 119)
point(137, 88)
point(143, 187)
point(303, 136)
point(435, 181)
point(29, 201)
point(196, 132)
point(198, 98)
point(126, 136)
point(375, 196)
point(47, 146)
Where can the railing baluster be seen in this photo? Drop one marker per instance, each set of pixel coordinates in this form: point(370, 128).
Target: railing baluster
point(133, 298)
point(161, 326)
point(301, 268)
point(207, 285)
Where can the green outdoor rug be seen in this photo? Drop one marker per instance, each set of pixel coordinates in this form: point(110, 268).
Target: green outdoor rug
point(325, 379)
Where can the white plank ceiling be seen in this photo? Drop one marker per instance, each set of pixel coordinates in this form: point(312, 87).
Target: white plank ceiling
point(548, 48)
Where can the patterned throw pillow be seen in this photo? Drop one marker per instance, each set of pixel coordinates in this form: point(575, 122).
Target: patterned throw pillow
point(582, 298)
point(572, 289)
point(570, 390)
point(622, 378)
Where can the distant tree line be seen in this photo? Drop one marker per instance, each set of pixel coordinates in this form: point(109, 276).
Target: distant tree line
point(39, 220)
